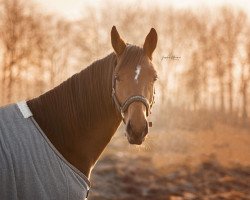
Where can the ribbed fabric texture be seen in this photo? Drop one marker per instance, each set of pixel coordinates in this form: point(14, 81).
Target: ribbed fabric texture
point(30, 168)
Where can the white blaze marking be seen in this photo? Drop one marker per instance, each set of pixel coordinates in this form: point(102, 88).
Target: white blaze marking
point(137, 72)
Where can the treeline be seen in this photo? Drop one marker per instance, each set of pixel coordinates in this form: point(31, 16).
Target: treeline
point(203, 57)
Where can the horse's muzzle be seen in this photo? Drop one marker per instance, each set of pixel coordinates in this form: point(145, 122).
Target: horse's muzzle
point(136, 136)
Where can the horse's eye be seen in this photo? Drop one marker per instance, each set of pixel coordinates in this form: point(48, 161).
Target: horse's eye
point(155, 78)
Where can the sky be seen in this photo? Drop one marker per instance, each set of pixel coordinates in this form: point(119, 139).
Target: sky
point(72, 8)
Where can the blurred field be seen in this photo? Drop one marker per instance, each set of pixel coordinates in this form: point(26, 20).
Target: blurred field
point(175, 165)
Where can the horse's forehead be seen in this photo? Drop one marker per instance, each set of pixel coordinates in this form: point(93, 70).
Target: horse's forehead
point(139, 67)
point(133, 63)
point(139, 73)
point(134, 57)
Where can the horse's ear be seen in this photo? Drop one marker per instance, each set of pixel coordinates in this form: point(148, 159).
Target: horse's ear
point(117, 43)
point(150, 43)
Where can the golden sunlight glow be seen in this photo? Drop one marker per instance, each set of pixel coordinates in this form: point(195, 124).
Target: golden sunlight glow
point(73, 9)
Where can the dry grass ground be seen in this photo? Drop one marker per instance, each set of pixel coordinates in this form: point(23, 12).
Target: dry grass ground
point(176, 165)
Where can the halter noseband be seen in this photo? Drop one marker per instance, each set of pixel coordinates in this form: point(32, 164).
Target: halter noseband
point(122, 108)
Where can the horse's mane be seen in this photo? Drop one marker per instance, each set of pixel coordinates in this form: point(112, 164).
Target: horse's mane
point(93, 87)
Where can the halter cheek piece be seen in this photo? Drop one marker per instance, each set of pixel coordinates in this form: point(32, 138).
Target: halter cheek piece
point(122, 108)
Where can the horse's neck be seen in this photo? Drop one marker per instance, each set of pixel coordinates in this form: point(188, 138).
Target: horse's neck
point(65, 121)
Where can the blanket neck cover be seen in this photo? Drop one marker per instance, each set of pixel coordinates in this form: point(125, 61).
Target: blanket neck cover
point(30, 166)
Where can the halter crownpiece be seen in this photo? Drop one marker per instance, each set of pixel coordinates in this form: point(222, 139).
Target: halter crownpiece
point(122, 108)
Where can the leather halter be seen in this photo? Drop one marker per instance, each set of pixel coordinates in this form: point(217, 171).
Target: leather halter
point(122, 107)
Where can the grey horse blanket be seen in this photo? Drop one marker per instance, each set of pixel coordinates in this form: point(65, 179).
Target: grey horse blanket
point(30, 166)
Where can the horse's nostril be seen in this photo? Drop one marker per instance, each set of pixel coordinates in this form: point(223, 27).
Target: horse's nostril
point(128, 126)
point(139, 133)
point(136, 136)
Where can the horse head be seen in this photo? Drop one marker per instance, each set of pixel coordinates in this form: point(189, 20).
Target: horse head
point(133, 84)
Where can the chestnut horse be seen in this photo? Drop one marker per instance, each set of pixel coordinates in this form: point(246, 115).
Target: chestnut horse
point(80, 116)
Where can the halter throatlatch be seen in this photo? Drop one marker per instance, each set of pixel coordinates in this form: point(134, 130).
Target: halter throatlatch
point(122, 108)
